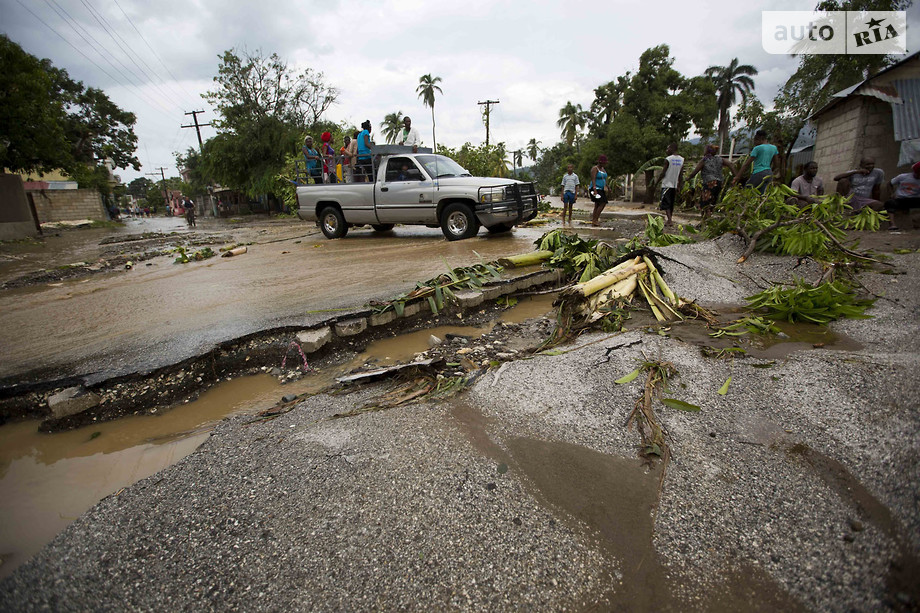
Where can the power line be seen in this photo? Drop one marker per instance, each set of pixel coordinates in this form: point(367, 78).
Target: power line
point(155, 54)
point(103, 54)
point(101, 21)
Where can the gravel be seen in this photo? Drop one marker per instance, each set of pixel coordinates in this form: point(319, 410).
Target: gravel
point(799, 485)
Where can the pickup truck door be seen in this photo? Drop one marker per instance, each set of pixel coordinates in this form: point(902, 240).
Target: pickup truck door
point(405, 193)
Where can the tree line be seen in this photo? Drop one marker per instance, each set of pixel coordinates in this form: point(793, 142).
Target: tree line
point(264, 110)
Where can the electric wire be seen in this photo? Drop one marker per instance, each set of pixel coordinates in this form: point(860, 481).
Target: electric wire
point(102, 24)
point(158, 106)
point(156, 80)
point(155, 54)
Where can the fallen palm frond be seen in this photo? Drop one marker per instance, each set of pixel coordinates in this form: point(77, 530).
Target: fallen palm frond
point(652, 436)
point(655, 235)
point(818, 304)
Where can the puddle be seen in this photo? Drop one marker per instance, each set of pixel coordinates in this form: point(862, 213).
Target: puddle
point(904, 570)
point(528, 307)
point(797, 337)
point(616, 497)
point(403, 348)
point(48, 480)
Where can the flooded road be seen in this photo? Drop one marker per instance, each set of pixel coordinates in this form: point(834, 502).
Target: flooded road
point(48, 480)
point(160, 312)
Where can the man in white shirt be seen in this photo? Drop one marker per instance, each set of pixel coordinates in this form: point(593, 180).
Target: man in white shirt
point(408, 136)
point(672, 180)
point(569, 192)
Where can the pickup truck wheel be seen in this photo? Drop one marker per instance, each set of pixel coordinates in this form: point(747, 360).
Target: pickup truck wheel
point(332, 222)
point(458, 222)
point(500, 227)
point(382, 227)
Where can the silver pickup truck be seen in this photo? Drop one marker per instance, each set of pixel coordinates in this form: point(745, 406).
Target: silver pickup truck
point(419, 189)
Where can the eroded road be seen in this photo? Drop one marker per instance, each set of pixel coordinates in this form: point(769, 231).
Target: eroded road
point(159, 313)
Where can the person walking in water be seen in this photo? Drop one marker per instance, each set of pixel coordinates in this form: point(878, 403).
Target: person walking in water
point(598, 188)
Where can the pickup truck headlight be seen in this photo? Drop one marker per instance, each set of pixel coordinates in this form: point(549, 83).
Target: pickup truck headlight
point(495, 195)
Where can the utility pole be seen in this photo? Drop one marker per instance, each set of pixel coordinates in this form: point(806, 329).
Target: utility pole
point(488, 104)
point(197, 126)
point(163, 177)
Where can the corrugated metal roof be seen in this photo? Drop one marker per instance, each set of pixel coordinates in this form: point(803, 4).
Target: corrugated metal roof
point(845, 93)
point(907, 114)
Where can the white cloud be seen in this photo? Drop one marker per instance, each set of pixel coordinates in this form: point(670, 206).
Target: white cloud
point(533, 57)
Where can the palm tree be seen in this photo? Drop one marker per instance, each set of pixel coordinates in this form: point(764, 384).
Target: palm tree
point(730, 81)
point(498, 161)
point(427, 86)
point(533, 148)
point(571, 119)
point(517, 159)
point(391, 125)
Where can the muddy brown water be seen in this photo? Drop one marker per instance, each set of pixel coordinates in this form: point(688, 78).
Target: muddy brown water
point(48, 480)
point(616, 498)
point(281, 280)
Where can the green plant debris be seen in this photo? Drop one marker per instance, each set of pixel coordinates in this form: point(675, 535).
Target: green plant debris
point(655, 235)
point(506, 301)
point(680, 405)
point(627, 378)
point(724, 389)
point(745, 325)
point(197, 256)
point(819, 304)
point(775, 221)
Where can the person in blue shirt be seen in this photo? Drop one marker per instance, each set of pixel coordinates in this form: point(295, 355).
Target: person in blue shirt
point(762, 156)
point(364, 168)
point(313, 158)
point(598, 189)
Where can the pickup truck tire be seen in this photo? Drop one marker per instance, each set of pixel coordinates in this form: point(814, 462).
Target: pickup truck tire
point(332, 222)
point(458, 222)
point(382, 227)
point(499, 228)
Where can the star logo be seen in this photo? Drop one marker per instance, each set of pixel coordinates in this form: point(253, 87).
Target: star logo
point(874, 23)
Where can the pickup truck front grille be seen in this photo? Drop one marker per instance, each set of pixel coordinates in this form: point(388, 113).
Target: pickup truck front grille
point(518, 199)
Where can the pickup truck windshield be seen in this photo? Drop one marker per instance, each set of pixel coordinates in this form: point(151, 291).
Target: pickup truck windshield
point(440, 166)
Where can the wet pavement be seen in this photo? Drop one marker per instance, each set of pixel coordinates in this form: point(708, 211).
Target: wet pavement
point(160, 313)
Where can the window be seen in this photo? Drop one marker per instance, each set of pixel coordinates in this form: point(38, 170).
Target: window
point(402, 169)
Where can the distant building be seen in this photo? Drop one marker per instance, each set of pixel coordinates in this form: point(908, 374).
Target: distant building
point(878, 118)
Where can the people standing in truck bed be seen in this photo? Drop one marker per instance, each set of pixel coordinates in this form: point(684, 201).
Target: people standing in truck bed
point(313, 159)
point(408, 136)
point(364, 168)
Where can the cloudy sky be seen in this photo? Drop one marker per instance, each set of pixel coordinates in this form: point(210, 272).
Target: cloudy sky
point(155, 59)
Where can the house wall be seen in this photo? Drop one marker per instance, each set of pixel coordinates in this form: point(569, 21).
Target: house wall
point(68, 205)
point(15, 215)
point(838, 144)
point(861, 126)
